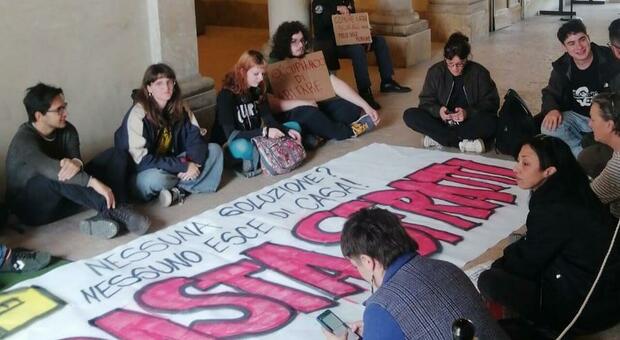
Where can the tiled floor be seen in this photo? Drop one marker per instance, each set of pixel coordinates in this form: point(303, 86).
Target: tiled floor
point(518, 57)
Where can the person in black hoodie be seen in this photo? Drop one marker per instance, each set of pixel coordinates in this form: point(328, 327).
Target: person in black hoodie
point(458, 102)
point(163, 138)
point(546, 275)
point(243, 110)
point(577, 76)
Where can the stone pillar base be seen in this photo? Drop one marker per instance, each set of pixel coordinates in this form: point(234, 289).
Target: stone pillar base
point(199, 93)
point(471, 19)
point(407, 50)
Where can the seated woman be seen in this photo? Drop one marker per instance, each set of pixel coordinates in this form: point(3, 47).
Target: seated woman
point(166, 143)
point(337, 118)
point(545, 276)
point(605, 124)
point(414, 297)
point(458, 102)
point(242, 110)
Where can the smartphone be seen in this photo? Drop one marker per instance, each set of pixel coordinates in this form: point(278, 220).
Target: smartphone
point(332, 323)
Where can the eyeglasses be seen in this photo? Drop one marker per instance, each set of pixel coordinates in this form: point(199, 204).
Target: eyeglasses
point(300, 41)
point(456, 65)
point(61, 109)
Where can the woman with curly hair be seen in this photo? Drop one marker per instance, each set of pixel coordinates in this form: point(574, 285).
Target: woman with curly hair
point(342, 117)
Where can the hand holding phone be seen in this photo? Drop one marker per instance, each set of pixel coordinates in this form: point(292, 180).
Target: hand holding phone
point(333, 324)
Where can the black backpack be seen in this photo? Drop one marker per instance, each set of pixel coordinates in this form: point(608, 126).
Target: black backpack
point(514, 124)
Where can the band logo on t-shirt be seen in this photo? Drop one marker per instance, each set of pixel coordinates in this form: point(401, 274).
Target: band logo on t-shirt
point(246, 113)
point(583, 96)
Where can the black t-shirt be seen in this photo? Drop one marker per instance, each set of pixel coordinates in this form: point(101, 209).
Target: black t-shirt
point(458, 97)
point(584, 85)
point(244, 113)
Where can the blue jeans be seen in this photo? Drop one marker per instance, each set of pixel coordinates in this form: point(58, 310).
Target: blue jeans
point(571, 130)
point(357, 54)
point(148, 183)
point(242, 148)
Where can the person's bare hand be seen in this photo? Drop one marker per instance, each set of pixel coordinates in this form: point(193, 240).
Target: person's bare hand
point(68, 169)
point(459, 114)
point(374, 115)
point(104, 191)
point(295, 135)
point(193, 171)
point(342, 9)
point(444, 114)
point(552, 120)
point(274, 133)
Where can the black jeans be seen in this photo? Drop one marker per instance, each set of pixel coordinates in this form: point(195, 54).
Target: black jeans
point(357, 54)
point(514, 292)
point(45, 200)
point(481, 126)
point(331, 120)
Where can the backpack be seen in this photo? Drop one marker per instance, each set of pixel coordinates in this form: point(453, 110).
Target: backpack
point(279, 155)
point(515, 124)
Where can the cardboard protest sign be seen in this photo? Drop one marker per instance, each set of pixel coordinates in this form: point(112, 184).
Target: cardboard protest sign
point(301, 78)
point(264, 265)
point(351, 29)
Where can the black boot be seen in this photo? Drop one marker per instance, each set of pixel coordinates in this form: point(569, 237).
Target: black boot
point(367, 96)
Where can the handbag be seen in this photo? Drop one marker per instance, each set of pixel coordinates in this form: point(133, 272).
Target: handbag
point(279, 155)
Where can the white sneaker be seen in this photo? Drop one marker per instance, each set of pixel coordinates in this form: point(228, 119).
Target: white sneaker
point(472, 145)
point(428, 142)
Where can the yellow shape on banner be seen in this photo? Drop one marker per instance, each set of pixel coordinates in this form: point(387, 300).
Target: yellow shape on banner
point(21, 306)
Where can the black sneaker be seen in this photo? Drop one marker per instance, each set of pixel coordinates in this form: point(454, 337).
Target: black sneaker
point(24, 261)
point(393, 86)
point(133, 221)
point(367, 96)
point(99, 226)
point(362, 125)
point(171, 197)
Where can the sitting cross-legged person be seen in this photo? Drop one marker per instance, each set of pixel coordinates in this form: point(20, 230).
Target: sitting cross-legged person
point(47, 180)
point(342, 117)
point(160, 132)
point(458, 102)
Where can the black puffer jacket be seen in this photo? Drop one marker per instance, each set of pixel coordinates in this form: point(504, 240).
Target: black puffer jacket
point(480, 89)
point(563, 250)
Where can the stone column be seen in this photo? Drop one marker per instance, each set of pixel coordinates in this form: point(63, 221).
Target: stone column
point(172, 38)
point(408, 37)
point(468, 16)
point(288, 10)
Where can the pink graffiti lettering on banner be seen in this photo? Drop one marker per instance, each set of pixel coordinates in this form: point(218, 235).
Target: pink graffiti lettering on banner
point(428, 238)
point(320, 271)
point(308, 228)
point(128, 325)
point(261, 313)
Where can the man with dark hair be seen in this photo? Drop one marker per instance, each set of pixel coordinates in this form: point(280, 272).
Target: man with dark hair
point(577, 76)
point(322, 11)
point(413, 297)
point(47, 180)
point(341, 117)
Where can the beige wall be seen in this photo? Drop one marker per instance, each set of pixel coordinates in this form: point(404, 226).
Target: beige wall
point(95, 50)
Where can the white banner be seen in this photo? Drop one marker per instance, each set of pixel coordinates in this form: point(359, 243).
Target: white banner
point(265, 265)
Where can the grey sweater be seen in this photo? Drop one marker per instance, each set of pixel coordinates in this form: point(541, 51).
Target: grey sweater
point(30, 154)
